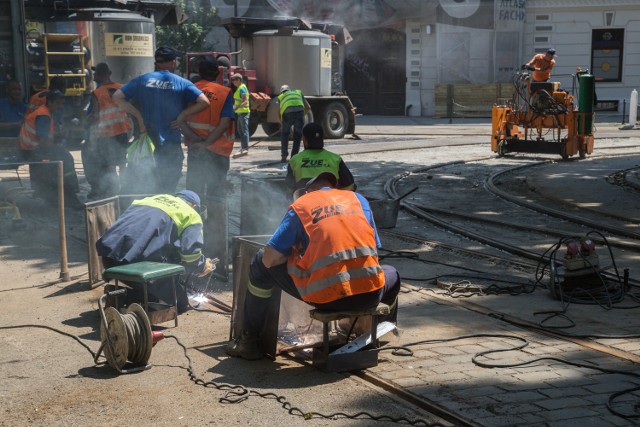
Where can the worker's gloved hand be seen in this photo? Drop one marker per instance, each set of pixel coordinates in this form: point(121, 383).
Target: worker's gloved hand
point(209, 266)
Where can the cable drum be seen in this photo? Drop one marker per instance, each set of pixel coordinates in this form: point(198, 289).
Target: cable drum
point(126, 337)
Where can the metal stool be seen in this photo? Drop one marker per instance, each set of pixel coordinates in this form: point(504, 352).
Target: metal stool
point(142, 273)
point(348, 361)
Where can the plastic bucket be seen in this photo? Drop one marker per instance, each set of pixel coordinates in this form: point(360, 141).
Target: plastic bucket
point(385, 212)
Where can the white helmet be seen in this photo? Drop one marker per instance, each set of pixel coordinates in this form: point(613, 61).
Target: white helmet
point(284, 88)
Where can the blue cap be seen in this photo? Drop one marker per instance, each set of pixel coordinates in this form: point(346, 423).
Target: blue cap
point(190, 197)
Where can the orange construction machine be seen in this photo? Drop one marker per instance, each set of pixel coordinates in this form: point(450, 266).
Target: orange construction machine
point(543, 118)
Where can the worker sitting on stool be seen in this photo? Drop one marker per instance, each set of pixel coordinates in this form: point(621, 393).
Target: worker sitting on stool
point(315, 159)
point(161, 228)
point(324, 253)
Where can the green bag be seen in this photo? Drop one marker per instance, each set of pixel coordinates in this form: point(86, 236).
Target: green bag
point(140, 151)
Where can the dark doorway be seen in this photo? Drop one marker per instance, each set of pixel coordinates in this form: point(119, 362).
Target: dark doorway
point(375, 71)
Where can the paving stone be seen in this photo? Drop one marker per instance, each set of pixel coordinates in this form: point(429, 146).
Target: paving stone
point(559, 403)
point(516, 408)
point(465, 391)
point(446, 350)
point(518, 396)
point(502, 421)
point(564, 392)
point(607, 387)
point(537, 377)
point(408, 381)
point(568, 413)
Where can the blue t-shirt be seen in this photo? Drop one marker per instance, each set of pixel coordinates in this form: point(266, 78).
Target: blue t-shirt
point(161, 96)
point(11, 113)
point(290, 231)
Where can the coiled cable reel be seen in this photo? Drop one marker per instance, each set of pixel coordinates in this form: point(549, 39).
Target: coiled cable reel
point(126, 338)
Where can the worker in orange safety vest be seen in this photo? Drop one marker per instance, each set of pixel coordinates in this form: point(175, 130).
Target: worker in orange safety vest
point(209, 136)
point(324, 253)
point(38, 144)
point(104, 151)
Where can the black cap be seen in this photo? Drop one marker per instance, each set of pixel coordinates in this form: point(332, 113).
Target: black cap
point(328, 176)
point(551, 52)
point(314, 134)
point(208, 65)
point(101, 68)
point(53, 95)
point(165, 53)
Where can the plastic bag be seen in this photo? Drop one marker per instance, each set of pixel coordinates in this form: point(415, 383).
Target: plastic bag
point(141, 151)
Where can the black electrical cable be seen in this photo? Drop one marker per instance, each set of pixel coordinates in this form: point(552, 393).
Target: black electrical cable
point(75, 337)
point(238, 393)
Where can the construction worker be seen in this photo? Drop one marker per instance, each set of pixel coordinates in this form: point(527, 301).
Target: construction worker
point(315, 159)
point(209, 135)
point(323, 253)
point(38, 144)
point(12, 110)
point(293, 107)
point(105, 148)
point(39, 98)
point(165, 99)
point(161, 228)
point(541, 65)
point(241, 107)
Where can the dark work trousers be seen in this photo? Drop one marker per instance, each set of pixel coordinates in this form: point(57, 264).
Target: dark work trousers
point(207, 174)
point(207, 177)
point(295, 119)
point(101, 156)
point(169, 158)
point(255, 308)
point(44, 178)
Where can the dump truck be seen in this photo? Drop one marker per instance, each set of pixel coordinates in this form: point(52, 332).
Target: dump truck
point(293, 52)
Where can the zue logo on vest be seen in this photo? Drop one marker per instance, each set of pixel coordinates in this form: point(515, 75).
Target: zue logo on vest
point(323, 212)
point(306, 163)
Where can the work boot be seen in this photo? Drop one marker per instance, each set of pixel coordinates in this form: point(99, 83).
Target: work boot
point(246, 346)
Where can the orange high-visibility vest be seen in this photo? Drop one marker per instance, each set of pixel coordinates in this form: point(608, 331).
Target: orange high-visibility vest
point(37, 100)
point(341, 259)
point(28, 138)
point(205, 121)
point(112, 120)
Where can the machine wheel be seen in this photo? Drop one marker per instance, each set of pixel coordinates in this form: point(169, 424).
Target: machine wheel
point(254, 121)
point(334, 120)
point(270, 128)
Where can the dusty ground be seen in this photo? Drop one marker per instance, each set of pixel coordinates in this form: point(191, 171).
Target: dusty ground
point(49, 379)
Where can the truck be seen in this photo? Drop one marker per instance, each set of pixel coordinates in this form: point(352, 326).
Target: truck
point(290, 51)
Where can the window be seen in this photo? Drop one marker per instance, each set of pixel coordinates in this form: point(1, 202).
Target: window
point(606, 54)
